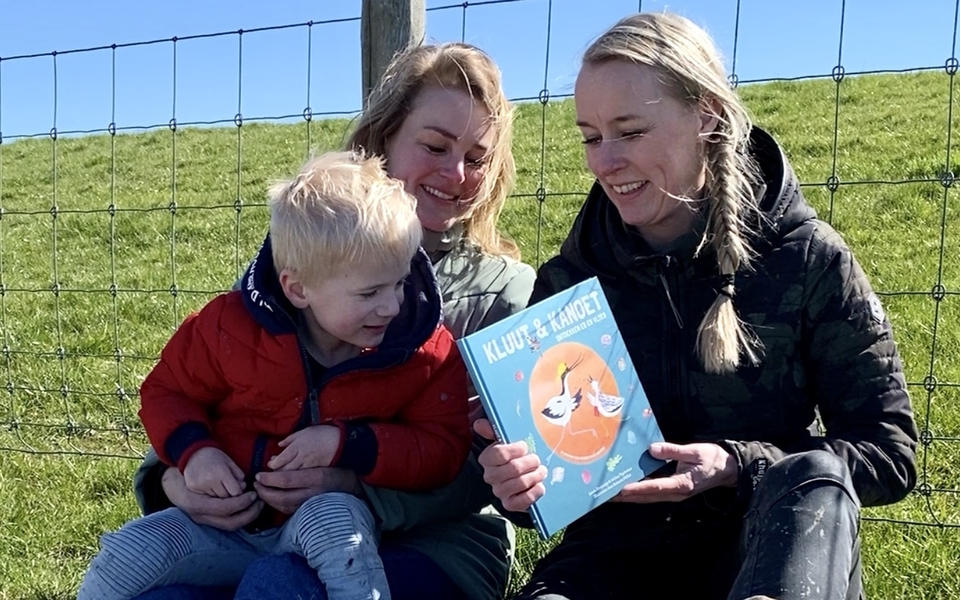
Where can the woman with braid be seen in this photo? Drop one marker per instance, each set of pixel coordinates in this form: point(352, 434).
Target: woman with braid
point(744, 314)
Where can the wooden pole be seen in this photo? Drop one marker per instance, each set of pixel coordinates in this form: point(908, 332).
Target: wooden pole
point(387, 27)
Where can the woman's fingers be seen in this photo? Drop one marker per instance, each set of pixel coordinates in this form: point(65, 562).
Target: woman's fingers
point(234, 520)
point(484, 429)
point(515, 476)
point(520, 493)
point(286, 501)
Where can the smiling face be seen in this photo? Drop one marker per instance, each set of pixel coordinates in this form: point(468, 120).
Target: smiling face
point(350, 309)
point(440, 153)
point(643, 145)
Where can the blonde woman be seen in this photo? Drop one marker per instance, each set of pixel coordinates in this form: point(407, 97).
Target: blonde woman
point(443, 126)
point(744, 314)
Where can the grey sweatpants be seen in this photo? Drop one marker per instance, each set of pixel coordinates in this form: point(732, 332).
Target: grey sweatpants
point(335, 532)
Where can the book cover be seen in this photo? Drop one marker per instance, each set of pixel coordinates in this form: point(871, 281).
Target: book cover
point(558, 376)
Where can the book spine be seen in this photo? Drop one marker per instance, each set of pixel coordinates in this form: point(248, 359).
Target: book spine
point(538, 522)
point(488, 405)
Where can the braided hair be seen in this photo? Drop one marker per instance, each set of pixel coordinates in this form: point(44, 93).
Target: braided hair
point(689, 66)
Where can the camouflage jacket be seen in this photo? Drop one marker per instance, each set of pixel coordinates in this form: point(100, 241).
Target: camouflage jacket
point(827, 344)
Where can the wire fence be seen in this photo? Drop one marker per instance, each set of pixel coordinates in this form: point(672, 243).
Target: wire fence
point(109, 236)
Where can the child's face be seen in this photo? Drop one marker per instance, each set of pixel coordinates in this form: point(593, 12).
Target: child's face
point(353, 306)
point(440, 154)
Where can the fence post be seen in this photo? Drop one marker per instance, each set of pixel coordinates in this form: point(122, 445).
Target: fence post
point(387, 27)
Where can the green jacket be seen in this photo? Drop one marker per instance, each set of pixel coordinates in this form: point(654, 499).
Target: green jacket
point(474, 549)
point(827, 344)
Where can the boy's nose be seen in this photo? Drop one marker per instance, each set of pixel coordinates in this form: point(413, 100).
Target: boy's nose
point(391, 306)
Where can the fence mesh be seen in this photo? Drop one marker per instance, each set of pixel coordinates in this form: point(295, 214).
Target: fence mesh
point(109, 236)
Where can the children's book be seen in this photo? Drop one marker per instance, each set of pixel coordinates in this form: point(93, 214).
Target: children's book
point(558, 376)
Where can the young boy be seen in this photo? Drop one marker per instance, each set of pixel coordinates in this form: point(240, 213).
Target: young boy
point(330, 355)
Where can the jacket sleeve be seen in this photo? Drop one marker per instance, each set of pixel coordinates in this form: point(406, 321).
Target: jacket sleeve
point(426, 445)
point(147, 484)
point(399, 510)
point(175, 398)
point(856, 378)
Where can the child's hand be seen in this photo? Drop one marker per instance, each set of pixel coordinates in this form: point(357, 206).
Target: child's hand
point(210, 471)
point(311, 447)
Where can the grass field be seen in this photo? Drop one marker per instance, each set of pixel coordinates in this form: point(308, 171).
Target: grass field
point(106, 243)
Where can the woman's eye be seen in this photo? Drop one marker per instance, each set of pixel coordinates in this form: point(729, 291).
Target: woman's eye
point(368, 295)
point(591, 141)
point(433, 149)
point(630, 135)
point(476, 162)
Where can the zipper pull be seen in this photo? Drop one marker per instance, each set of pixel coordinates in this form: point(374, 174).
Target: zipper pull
point(314, 407)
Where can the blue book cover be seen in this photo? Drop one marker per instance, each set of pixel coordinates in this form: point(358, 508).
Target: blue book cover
point(558, 376)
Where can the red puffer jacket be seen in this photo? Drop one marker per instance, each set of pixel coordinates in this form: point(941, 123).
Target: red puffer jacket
point(235, 376)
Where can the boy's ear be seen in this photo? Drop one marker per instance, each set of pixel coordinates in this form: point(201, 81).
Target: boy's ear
point(293, 288)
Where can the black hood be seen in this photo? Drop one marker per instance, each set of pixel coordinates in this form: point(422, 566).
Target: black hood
point(600, 242)
point(420, 313)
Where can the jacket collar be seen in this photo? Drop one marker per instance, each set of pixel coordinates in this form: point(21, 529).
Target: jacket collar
point(420, 313)
point(439, 243)
point(601, 243)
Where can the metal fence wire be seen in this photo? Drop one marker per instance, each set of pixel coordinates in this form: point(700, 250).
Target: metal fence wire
point(95, 275)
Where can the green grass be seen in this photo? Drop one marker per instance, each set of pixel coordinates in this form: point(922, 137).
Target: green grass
point(90, 295)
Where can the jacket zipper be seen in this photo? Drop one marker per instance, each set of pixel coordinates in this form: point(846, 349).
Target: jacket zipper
point(666, 289)
point(313, 391)
point(673, 340)
point(259, 449)
point(265, 520)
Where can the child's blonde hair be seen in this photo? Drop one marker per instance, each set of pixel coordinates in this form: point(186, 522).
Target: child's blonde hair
point(341, 210)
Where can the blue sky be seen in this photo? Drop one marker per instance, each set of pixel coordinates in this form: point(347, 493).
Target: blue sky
point(777, 38)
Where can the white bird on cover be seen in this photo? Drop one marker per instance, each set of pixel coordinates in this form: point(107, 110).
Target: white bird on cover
point(559, 409)
point(605, 405)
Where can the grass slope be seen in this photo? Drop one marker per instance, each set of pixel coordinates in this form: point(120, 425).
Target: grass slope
point(107, 242)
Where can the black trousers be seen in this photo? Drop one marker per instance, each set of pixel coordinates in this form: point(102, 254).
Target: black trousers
point(799, 538)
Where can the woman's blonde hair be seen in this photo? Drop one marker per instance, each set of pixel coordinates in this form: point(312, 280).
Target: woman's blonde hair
point(689, 66)
point(340, 211)
point(460, 67)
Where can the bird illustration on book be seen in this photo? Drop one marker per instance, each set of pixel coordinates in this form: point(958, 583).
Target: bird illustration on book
point(606, 406)
point(560, 408)
point(534, 344)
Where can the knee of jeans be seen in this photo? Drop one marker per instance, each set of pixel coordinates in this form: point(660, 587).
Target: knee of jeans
point(804, 468)
point(132, 559)
point(272, 564)
point(280, 576)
